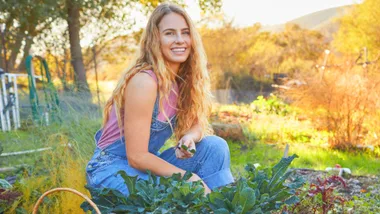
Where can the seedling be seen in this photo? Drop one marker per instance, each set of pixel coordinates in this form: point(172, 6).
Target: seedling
point(184, 147)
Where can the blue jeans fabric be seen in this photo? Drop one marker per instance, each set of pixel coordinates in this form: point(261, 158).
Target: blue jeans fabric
point(211, 162)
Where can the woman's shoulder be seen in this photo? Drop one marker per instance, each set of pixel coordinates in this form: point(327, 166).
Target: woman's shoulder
point(150, 73)
point(141, 90)
point(144, 81)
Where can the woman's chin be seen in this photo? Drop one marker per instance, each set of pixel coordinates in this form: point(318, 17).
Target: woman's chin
point(178, 60)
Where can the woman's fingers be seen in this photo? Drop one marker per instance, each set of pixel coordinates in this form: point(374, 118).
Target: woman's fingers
point(189, 148)
point(185, 149)
point(179, 154)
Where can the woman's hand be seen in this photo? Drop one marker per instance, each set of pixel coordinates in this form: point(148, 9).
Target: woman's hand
point(195, 177)
point(185, 147)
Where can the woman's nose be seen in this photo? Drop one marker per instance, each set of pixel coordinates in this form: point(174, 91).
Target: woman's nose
point(179, 39)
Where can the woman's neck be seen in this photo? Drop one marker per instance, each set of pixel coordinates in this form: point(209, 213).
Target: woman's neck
point(174, 67)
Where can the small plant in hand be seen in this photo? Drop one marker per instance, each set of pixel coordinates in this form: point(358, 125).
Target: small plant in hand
point(184, 147)
point(262, 191)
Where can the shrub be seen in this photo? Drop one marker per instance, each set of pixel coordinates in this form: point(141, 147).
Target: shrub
point(342, 100)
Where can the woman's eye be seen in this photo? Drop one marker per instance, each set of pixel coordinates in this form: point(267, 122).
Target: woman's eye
point(169, 33)
point(186, 32)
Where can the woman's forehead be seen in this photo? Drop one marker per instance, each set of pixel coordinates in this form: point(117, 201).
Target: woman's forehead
point(173, 21)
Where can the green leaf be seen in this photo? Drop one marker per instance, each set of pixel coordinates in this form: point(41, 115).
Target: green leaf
point(125, 208)
point(251, 170)
point(222, 211)
point(219, 203)
point(257, 211)
point(184, 147)
point(235, 200)
point(229, 205)
point(297, 183)
point(280, 196)
point(130, 181)
point(187, 175)
point(279, 169)
point(4, 184)
point(279, 184)
point(214, 195)
point(185, 189)
point(264, 186)
point(264, 197)
point(292, 200)
point(247, 199)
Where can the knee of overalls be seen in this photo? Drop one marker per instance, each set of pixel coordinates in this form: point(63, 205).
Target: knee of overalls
point(216, 149)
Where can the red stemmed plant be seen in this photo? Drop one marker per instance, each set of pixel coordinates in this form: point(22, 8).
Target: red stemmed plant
point(326, 189)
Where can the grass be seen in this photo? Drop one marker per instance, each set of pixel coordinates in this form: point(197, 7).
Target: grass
point(64, 166)
point(268, 133)
point(319, 158)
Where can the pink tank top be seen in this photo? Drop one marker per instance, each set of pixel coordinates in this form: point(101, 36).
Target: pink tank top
point(111, 131)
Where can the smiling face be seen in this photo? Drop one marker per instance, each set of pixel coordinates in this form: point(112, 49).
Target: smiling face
point(175, 39)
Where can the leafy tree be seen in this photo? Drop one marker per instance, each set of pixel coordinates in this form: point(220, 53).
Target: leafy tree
point(109, 11)
point(359, 28)
point(23, 21)
point(106, 15)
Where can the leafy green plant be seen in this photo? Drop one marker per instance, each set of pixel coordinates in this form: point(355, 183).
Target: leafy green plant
point(272, 105)
point(163, 195)
point(262, 191)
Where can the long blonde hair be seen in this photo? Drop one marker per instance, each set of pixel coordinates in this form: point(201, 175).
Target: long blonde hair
point(194, 98)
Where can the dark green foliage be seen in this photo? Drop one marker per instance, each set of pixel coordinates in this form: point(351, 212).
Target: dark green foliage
point(262, 191)
point(164, 195)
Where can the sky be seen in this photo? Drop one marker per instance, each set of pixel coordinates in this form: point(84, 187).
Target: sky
point(246, 12)
point(269, 12)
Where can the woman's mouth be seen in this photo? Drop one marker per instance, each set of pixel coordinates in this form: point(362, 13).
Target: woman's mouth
point(178, 50)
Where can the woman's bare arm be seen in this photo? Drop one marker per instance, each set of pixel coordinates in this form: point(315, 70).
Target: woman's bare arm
point(140, 96)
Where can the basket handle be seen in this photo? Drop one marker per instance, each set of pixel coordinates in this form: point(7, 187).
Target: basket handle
point(39, 201)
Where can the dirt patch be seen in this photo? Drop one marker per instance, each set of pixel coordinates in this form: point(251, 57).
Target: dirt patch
point(355, 184)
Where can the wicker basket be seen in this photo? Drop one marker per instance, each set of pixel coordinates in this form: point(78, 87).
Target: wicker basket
point(39, 201)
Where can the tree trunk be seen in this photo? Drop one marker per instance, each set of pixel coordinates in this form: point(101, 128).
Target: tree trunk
point(28, 45)
point(15, 50)
point(73, 15)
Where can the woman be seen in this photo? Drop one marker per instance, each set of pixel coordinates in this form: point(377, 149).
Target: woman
point(165, 91)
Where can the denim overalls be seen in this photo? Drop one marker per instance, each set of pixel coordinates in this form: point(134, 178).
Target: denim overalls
point(211, 162)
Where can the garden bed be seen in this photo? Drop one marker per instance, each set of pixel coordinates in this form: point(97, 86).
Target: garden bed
point(355, 184)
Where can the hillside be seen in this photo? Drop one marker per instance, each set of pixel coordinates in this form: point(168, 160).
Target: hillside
point(323, 21)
